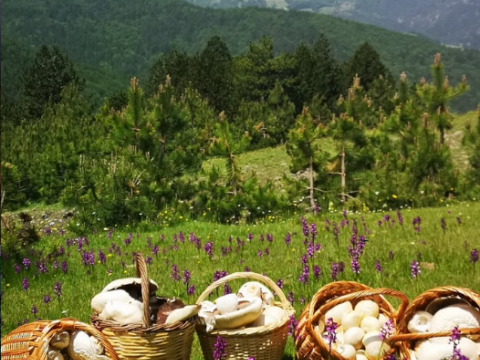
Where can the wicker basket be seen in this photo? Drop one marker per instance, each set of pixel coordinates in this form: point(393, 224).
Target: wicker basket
point(262, 342)
point(407, 340)
point(31, 341)
point(307, 341)
point(146, 341)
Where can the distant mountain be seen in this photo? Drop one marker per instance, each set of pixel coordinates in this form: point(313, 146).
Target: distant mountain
point(125, 37)
point(452, 22)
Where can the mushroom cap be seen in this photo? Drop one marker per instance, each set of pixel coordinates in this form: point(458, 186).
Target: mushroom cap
point(130, 282)
point(430, 350)
point(123, 312)
point(443, 302)
point(420, 322)
point(60, 340)
point(461, 315)
point(80, 346)
point(256, 289)
point(182, 314)
point(241, 317)
point(101, 299)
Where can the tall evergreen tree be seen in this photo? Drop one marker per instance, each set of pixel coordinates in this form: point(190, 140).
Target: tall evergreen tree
point(214, 75)
point(44, 81)
point(436, 96)
point(305, 149)
point(366, 64)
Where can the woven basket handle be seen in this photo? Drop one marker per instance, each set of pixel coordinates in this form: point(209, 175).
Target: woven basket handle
point(315, 317)
point(143, 275)
point(426, 336)
point(246, 275)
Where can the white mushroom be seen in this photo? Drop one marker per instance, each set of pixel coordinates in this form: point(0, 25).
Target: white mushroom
point(370, 323)
point(367, 308)
point(80, 346)
point(376, 348)
point(270, 315)
point(443, 349)
point(242, 317)
point(182, 314)
point(420, 322)
point(347, 351)
point(351, 319)
point(461, 315)
point(54, 354)
point(256, 289)
point(123, 312)
point(383, 319)
point(227, 303)
point(100, 300)
point(60, 340)
point(372, 336)
point(360, 355)
point(354, 336)
point(337, 311)
point(96, 345)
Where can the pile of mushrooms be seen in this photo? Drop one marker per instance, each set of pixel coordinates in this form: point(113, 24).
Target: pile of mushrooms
point(252, 306)
point(358, 330)
point(443, 315)
point(75, 345)
point(121, 301)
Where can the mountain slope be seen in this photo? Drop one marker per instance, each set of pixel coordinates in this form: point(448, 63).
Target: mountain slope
point(127, 36)
point(453, 22)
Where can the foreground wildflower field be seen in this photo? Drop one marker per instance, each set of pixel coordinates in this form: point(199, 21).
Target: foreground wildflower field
point(410, 250)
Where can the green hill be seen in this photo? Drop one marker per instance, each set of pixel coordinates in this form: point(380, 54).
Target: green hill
point(125, 37)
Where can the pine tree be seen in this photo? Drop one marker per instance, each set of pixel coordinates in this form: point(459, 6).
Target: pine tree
point(366, 64)
point(44, 81)
point(304, 148)
point(436, 96)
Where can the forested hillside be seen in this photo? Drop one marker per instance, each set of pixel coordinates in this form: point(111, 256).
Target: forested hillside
point(453, 22)
point(118, 39)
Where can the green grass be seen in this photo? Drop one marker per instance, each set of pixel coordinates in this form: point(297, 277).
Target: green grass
point(454, 137)
point(443, 255)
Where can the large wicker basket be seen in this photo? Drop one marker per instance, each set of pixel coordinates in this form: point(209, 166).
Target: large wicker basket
point(146, 341)
point(308, 342)
point(30, 341)
point(261, 342)
point(408, 340)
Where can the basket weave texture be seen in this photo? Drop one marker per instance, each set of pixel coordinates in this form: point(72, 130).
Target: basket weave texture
point(408, 340)
point(30, 341)
point(148, 341)
point(310, 345)
point(262, 342)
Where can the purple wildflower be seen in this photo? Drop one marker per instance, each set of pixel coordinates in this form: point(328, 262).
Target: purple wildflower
point(209, 249)
point(399, 217)
point(186, 277)
point(378, 267)
point(57, 288)
point(291, 297)
point(220, 349)
point(443, 224)
point(305, 227)
point(387, 330)
point(155, 250)
point(47, 299)
point(17, 268)
point(292, 326)
point(474, 256)
point(175, 273)
point(26, 263)
point(317, 272)
point(334, 273)
point(25, 284)
point(355, 266)
point(55, 265)
point(191, 290)
point(280, 283)
point(64, 266)
point(415, 269)
point(34, 310)
point(331, 336)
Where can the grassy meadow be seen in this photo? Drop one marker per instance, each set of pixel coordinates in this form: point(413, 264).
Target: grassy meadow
point(63, 272)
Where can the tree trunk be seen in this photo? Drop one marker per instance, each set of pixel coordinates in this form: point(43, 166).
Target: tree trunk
point(344, 175)
point(442, 135)
point(312, 200)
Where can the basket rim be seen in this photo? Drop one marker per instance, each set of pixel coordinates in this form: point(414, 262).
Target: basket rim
point(283, 303)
